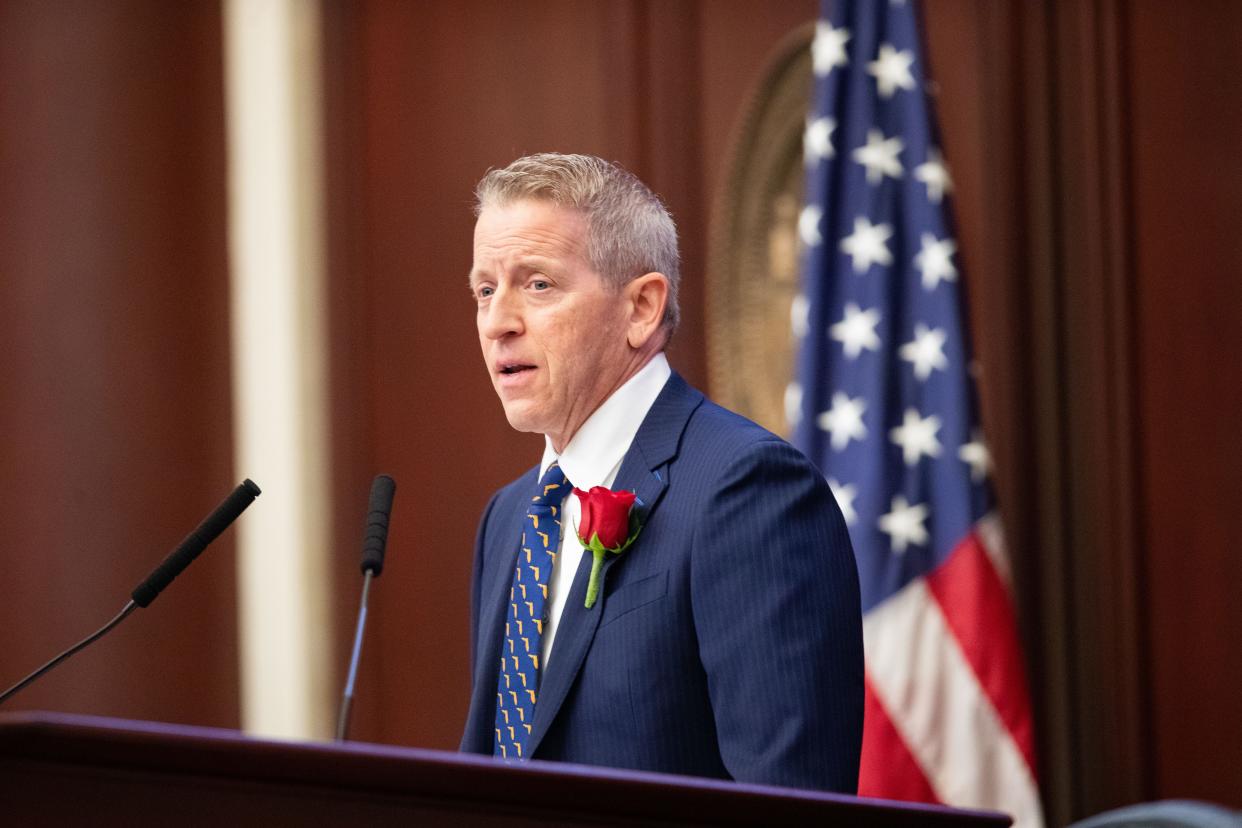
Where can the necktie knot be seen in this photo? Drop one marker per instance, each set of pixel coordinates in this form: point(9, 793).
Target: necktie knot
point(553, 487)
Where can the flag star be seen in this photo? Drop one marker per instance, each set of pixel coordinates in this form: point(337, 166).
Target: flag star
point(934, 261)
point(793, 404)
point(856, 330)
point(916, 436)
point(845, 495)
point(817, 140)
point(891, 70)
point(828, 48)
point(977, 455)
point(879, 156)
point(799, 316)
point(935, 175)
point(904, 524)
point(868, 244)
point(808, 225)
point(844, 421)
point(925, 351)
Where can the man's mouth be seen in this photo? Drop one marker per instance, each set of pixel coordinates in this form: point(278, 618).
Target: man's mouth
point(512, 368)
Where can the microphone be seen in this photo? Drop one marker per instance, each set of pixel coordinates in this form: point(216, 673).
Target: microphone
point(170, 568)
point(376, 535)
point(374, 539)
point(195, 543)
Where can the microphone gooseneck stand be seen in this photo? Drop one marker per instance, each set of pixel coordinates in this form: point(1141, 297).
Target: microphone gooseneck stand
point(375, 537)
point(90, 639)
point(163, 575)
point(347, 698)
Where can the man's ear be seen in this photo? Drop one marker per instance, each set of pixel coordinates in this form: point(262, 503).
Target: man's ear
point(648, 297)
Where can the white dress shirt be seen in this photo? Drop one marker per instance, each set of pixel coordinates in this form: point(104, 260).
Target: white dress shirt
point(593, 458)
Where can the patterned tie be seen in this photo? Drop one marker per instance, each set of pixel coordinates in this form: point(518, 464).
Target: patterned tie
point(518, 682)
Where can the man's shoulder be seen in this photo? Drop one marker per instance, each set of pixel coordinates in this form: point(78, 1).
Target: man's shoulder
point(688, 413)
point(687, 425)
point(713, 422)
point(711, 425)
point(719, 438)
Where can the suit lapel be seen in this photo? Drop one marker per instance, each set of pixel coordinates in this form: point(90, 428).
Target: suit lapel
point(644, 471)
point(500, 558)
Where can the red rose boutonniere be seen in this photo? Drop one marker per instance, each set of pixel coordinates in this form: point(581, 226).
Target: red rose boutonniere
point(608, 525)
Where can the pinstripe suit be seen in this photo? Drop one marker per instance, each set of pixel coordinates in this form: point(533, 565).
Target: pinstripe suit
point(727, 642)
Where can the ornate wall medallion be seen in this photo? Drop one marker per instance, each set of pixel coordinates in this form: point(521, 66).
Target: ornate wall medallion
point(753, 258)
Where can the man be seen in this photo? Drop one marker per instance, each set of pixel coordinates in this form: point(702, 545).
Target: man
point(726, 641)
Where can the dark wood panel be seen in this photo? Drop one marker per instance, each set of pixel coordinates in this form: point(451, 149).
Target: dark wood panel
point(114, 329)
point(1187, 118)
point(1099, 337)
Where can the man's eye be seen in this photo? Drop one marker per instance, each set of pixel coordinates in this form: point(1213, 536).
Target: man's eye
point(540, 284)
point(485, 291)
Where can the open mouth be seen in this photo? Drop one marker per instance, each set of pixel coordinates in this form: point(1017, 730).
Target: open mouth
point(509, 369)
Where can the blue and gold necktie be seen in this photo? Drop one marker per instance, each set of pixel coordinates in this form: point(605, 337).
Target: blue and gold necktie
point(518, 683)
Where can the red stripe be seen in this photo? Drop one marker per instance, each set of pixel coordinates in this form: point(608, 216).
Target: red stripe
point(888, 770)
point(977, 608)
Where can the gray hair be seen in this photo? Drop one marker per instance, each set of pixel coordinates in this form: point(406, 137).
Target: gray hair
point(629, 230)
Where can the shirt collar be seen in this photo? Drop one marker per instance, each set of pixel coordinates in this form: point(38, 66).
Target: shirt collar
point(597, 449)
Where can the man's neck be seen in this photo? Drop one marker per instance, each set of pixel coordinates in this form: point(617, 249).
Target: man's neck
point(561, 440)
point(608, 432)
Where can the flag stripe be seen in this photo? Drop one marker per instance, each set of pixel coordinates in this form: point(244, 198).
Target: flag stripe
point(888, 769)
point(950, 725)
point(977, 608)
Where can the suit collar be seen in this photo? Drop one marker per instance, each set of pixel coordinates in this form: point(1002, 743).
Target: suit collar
point(659, 437)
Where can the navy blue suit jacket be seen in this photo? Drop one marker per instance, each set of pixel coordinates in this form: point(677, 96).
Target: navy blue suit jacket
point(726, 642)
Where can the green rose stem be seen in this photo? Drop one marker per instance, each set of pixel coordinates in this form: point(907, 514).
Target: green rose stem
point(597, 566)
point(598, 551)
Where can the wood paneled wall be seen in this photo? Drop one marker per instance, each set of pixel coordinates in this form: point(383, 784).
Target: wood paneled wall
point(1185, 119)
point(114, 380)
point(1097, 199)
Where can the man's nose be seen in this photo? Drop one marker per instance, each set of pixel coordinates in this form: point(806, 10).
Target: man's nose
point(503, 315)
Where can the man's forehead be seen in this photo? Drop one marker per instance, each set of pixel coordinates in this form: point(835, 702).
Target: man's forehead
point(530, 210)
point(528, 229)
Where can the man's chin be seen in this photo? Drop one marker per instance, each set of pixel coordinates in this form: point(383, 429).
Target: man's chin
point(522, 418)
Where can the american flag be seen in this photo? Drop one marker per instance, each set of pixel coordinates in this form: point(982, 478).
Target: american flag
point(885, 404)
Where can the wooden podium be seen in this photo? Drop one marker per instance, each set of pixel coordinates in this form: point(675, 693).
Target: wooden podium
point(58, 769)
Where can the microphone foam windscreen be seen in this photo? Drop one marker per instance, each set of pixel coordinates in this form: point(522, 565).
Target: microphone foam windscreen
point(375, 536)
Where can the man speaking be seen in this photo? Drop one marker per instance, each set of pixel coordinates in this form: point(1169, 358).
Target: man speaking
point(711, 626)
